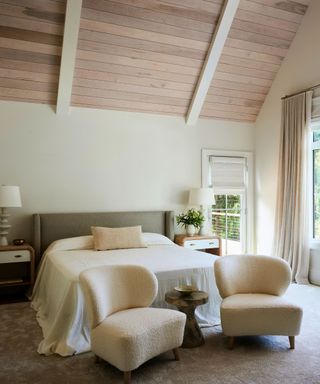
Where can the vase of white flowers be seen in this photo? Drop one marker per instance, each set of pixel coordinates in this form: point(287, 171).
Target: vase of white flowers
point(191, 221)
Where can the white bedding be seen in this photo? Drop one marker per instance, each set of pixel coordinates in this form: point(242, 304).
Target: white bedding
point(58, 299)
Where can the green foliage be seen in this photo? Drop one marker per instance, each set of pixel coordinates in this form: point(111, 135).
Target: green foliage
point(191, 217)
point(226, 216)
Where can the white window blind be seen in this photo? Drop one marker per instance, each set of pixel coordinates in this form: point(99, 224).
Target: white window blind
point(315, 109)
point(228, 173)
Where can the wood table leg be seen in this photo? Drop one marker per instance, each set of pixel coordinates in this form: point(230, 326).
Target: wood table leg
point(127, 377)
point(193, 336)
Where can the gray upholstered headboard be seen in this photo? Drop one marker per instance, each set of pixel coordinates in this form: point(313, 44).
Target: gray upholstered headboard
point(49, 227)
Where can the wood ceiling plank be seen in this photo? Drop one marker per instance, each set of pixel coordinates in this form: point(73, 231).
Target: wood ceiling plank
point(133, 80)
point(218, 99)
point(230, 108)
point(210, 7)
point(250, 72)
point(28, 75)
point(214, 52)
point(143, 35)
point(254, 47)
point(133, 62)
point(243, 79)
point(30, 57)
point(251, 55)
point(253, 27)
point(132, 43)
point(151, 15)
point(32, 14)
point(31, 25)
point(133, 71)
point(28, 85)
point(243, 95)
point(26, 35)
point(68, 57)
point(109, 85)
point(232, 85)
point(122, 105)
point(248, 63)
point(258, 38)
point(50, 6)
point(30, 46)
point(298, 7)
point(131, 22)
point(27, 94)
point(266, 20)
point(236, 116)
point(276, 13)
point(111, 49)
point(155, 5)
point(48, 100)
point(35, 67)
point(119, 95)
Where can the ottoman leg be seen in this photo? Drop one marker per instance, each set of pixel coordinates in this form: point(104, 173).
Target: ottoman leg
point(176, 353)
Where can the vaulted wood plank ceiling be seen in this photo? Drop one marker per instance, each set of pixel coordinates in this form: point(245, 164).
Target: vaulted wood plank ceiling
point(147, 55)
point(30, 48)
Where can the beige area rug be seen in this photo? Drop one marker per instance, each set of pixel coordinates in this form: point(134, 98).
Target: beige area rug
point(255, 360)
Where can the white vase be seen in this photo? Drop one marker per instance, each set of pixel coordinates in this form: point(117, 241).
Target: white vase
point(191, 230)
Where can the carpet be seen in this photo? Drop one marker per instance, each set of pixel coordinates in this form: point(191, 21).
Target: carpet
point(255, 360)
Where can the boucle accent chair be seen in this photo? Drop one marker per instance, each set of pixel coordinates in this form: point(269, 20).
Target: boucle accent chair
point(251, 287)
point(124, 330)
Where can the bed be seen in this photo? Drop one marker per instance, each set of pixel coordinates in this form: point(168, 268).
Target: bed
point(65, 242)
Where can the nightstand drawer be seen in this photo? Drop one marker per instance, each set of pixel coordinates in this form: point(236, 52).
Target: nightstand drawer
point(201, 243)
point(15, 256)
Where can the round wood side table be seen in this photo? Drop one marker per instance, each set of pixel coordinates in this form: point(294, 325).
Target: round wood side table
point(187, 304)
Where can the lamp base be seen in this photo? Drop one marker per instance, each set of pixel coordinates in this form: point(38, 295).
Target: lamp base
point(4, 226)
point(3, 241)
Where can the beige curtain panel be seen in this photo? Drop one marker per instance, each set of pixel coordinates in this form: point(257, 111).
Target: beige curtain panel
point(291, 239)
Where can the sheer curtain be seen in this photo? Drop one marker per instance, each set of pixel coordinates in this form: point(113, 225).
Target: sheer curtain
point(291, 239)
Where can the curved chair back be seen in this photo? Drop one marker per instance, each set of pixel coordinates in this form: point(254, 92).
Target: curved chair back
point(113, 288)
point(251, 274)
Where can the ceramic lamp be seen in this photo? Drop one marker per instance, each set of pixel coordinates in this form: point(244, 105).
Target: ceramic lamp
point(9, 197)
point(202, 197)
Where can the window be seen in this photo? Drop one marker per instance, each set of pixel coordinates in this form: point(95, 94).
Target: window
point(227, 217)
point(315, 164)
point(228, 174)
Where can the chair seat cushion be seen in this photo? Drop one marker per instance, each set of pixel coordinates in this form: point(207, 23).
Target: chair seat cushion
point(259, 314)
point(128, 338)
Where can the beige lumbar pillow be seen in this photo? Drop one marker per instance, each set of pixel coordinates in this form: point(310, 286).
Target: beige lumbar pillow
point(117, 238)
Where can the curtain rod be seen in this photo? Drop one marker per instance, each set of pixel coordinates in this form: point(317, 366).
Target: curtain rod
point(298, 93)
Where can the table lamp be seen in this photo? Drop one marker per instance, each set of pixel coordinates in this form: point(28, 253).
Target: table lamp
point(9, 197)
point(202, 197)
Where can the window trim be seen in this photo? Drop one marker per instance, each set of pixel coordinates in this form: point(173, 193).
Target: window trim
point(205, 164)
point(314, 243)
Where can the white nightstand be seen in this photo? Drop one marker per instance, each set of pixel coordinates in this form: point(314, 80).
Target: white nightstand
point(17, 270)
point(209, 244)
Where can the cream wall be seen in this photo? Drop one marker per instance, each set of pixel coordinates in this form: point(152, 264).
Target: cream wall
point(95, 160)
point(300, 69)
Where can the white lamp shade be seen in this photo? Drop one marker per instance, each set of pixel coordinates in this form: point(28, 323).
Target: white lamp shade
point(10, 196)
point(201, 196)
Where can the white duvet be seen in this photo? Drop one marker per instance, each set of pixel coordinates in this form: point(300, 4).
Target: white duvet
point(58, 299)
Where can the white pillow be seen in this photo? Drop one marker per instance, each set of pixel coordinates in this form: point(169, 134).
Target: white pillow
point(117, 238)
point(71, 243)
point(156, 239)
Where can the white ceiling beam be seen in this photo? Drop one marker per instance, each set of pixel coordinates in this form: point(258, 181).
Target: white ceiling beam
point(68, 56)
point(210, 64)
